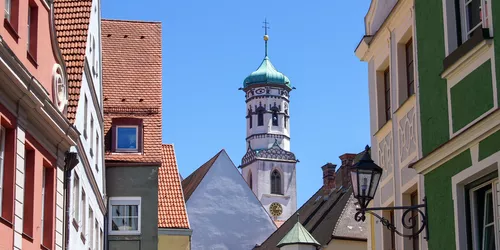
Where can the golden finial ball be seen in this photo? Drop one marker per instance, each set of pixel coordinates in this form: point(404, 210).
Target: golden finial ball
point(266, 37)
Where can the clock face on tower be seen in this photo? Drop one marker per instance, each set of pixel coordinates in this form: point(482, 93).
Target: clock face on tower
point(275, 209)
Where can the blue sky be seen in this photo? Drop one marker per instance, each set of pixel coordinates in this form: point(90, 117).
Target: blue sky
point(209, 47)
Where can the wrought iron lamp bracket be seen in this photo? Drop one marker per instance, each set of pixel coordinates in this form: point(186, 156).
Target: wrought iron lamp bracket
point(410, 223)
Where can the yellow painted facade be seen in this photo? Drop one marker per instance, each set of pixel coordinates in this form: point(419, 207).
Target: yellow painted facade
point(174, 242)
point(346, 244)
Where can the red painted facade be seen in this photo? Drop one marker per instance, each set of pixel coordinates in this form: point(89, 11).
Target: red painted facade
point(26, 33)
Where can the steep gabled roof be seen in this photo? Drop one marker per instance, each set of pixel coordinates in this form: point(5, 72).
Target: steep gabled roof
point(318, 215)
point(298, 235)
point(72, 19)
point(193, 180)
point(171, 207)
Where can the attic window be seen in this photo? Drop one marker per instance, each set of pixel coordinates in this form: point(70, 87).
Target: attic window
point(127, 136)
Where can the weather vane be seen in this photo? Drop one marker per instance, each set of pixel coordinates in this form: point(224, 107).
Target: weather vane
point(266, 37)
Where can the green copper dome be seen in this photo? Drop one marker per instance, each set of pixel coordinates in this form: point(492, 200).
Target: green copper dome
point(266, 73)
point(298, 235)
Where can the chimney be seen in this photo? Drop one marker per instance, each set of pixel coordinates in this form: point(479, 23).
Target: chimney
point(345, 170)
point(328, 177)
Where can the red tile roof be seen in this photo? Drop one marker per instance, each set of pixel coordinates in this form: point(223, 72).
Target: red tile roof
point(132, 82)
point(171, 207)
point(72, 18)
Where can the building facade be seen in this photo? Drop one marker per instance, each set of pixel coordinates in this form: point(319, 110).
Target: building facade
point(132, 86)
point(86, 206)
point(389, 47)
point(35, 136)
point(460, 121)
point(268, 165)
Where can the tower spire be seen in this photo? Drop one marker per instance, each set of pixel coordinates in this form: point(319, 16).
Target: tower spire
point(266, 37)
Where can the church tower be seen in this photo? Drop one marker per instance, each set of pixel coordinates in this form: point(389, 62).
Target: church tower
point(268, 165)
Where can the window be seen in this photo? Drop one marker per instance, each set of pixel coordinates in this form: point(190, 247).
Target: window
point(29, 190)
point(275, 118)
point(85, 110)
point(481, 224)
point(387, 94)
point(101, 246)
point(409, 68)
point(91, 135)
point(93, 57)
point(96, 151)
point(43, 200)
point(127, 138)
point(250, 120)
point(76, 198)
point(250, 181)
point(276, 182)
point(91, 228)
point(473, 18)
point(11, 16)
point(8, 4)
point(260, 118)
point(48, 203)
point(96, 232)
point(414, 215)
point(83, 206)
point(32, 30)
point(2, 162)
point(125, 215)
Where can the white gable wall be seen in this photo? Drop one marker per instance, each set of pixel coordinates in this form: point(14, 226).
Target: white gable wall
point(224, 213)
point(96, 160)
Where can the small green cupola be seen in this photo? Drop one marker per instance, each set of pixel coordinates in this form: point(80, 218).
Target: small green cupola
point(298, 235)
point(266, 73)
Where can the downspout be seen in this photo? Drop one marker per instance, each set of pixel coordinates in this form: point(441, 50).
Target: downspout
point(71, 157)
point(70, 162)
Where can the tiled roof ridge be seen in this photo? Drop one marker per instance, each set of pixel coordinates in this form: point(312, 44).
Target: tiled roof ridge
point(128, 21)
point(72, 20)
point(180, 180)
point(172, 211)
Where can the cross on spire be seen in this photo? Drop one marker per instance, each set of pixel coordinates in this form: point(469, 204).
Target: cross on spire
point(266, 37)
point(265, 26)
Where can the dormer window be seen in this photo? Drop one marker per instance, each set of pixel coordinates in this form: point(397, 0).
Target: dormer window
point(127, 135)
point(127, 138)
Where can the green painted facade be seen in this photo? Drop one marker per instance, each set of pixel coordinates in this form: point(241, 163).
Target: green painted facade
point(431, 52)
point(472, 97)
point(440, 201)
point(489, 146)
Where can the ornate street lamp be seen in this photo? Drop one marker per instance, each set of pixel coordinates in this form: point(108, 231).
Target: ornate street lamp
point(365, 175)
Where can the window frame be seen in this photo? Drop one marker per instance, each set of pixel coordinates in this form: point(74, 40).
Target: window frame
point(387, 94)
point(279, 184)
point(91, 144)
point(473, 213)
point(260, 118)
point(76, 198)
point(120, 150)
point(85, 115)
point(275, 118)
point(410, 85)
point(8, 10)
point(83, 214)
point(127, 201)
point(2, 164)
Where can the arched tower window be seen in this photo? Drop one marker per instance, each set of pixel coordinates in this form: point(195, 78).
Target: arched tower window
point(276, 182)
point(250, 180)
point(275, 118)
point(260, 118)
